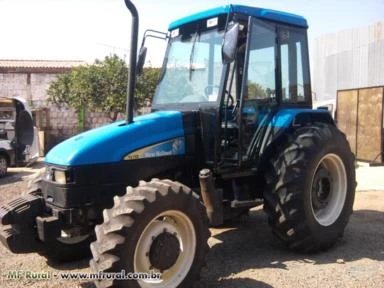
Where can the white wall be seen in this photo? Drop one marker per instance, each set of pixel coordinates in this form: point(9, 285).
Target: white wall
point(348, 59)
point(13, 85)
point(16, 84)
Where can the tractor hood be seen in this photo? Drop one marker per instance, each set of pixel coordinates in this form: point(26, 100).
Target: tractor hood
point(116, 141)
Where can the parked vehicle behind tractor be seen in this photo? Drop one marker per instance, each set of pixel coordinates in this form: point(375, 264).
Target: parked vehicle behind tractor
point(19, 142)
point(231, 128)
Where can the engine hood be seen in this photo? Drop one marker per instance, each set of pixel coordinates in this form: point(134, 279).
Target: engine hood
point(113, 142)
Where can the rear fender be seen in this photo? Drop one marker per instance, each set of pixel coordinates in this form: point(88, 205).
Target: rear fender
point(286, 118)
point(283, 124)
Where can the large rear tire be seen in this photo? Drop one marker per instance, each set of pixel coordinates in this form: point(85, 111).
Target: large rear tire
point(311, 187)
point(160, 226)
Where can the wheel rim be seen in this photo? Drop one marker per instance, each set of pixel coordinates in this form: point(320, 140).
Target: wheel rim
point(181, 228)
point(3, 166)
point(328, 189)
point(68, 240)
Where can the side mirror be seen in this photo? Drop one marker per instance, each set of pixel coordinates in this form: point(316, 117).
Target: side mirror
point(228, 50)
point(141, 60)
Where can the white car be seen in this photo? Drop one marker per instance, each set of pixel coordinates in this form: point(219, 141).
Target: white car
point(19, 143)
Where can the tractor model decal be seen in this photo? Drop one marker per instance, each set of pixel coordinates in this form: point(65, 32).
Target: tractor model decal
point(171, 147)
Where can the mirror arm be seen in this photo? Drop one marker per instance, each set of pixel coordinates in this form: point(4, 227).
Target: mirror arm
point(149, 33)
point(143, 50)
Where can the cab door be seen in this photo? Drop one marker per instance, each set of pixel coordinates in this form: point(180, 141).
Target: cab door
point(276, 77)
point(259, 89)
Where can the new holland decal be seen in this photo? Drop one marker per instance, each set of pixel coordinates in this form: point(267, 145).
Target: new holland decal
point(171, 147)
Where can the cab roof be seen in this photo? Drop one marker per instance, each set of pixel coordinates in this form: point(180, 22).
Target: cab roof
point(277, 16)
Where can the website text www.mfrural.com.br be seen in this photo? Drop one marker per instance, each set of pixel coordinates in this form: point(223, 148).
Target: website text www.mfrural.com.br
point(42, 275)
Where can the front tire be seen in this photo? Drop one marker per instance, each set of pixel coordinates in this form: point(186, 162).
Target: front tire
point(160, 226)
point(311, 187)
point(67, 249)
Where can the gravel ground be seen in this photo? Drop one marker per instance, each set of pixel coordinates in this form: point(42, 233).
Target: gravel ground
point(244, 253)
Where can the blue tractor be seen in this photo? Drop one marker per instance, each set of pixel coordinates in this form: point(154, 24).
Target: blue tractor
point(232, 127)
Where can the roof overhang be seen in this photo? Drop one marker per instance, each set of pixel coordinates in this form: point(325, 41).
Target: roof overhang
point(273, 15)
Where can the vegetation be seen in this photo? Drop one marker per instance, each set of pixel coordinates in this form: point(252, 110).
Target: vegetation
point(256, 91)
point(101, 87)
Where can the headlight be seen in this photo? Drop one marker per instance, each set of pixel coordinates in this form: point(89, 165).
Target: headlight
point(60, 177)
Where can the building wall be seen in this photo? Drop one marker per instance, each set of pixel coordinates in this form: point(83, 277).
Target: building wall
point(348, 59)
point(57, 123)
point(39, 85)
point(13, 85)
point(30, 86)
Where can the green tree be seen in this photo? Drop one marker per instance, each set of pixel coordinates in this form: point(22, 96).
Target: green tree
point(256, 91)
point(101, 87)
point(146, 86)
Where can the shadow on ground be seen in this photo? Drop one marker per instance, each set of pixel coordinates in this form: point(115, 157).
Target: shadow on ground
point(14, 177)
point(249, 244)
point(17, 174)
point(69, 266)
point(239, 282)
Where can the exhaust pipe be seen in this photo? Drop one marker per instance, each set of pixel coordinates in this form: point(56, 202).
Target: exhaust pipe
point(132, 60)
point(212, 197)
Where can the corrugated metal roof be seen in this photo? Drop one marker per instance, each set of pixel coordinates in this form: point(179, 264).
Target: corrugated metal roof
point(40, 63)
point(38, 66)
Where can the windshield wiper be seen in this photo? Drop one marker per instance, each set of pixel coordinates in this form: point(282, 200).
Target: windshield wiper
point(192, 55)
point(164, 68)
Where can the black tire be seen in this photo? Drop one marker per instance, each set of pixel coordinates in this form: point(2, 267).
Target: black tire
point(310, 187)
point(62, 249)
point(74, 249)
point(3, 166)
point(142, 212)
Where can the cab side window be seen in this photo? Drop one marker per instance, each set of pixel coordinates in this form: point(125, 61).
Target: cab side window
point(261, 66)
point(295, 87)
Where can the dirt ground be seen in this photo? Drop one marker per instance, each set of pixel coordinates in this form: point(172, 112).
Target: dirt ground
point(245, 254)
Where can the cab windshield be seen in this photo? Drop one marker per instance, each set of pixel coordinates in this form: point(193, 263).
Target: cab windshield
point(192, 69)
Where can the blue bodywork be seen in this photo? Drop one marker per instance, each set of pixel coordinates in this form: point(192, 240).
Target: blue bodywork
point(284, 117)
point(268, 14)
point(112, 142)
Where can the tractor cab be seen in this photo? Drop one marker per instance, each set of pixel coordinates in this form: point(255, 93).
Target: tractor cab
point(240, 69)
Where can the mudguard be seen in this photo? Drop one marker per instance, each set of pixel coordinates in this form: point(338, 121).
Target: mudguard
point(287, 117)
